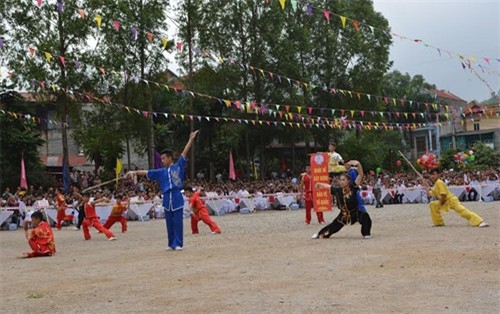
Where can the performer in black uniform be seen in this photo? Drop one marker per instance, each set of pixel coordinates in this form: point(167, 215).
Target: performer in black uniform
point(346, 198)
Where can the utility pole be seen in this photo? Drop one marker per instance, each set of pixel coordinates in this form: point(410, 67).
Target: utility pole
point(190, 80)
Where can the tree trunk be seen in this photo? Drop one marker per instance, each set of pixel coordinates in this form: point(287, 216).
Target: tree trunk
point(62, 99)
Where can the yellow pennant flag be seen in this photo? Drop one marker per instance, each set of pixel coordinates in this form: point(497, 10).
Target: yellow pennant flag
point(343, 19)
point(119, 167)
point(98, 19)
point(282, 3)
point(164, 42)
point(48, 56)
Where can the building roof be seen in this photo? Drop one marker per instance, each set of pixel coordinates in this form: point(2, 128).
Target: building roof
point(473, 108)
point(56, 161)
point(446, 95)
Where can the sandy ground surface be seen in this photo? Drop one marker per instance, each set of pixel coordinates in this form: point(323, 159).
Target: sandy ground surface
point(265, 262)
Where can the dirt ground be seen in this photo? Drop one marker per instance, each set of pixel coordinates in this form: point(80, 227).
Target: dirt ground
point(265, 262)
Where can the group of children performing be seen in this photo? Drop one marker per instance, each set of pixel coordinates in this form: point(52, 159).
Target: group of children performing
point(171, 180)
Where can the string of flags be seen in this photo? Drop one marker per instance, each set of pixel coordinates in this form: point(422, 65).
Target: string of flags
point(287, 111)
point(334, 124)
point(298, 108)
point(359, 26)
point(253, 105)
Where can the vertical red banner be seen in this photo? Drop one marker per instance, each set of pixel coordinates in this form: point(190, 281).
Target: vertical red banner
point(322, 198)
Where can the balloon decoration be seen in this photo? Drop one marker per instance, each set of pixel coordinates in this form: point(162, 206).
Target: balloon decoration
point(428, 161)
point(378, 170)
point(463, 158)
point(398, 163)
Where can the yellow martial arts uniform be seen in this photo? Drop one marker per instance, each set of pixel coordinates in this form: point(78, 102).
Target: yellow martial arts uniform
point(333, 163)
point(452, 202)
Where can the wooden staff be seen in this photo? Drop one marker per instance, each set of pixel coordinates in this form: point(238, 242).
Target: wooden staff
point(416, 171)
point(101, 184)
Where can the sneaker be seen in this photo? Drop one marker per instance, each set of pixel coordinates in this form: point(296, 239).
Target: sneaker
point(76, 228)
point(315, 236)
point(178, 248)
point(168, 248)
point(213, 232)
point(366, 237)
point(112, 239)
point(483, 224)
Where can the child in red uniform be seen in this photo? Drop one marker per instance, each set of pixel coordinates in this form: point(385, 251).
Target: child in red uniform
point(200, 211)
point(92, 220)
point(41, 239)
point(61, 208)
point(117, 214)
point(306, 190)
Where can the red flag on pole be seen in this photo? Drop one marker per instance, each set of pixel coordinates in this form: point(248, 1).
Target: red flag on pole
point(24, 183)
point(232, 173)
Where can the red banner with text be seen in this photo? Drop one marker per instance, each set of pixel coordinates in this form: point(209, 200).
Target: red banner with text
point(322, 198)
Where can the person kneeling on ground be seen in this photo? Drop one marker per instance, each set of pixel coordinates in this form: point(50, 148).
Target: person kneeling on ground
point(41, 239)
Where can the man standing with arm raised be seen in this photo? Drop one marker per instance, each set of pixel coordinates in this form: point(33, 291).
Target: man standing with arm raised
point(171, 180)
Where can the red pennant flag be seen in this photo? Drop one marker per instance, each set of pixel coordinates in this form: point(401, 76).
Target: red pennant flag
point(117, 25)
point(63, 62)
point(232, 173)
point(179, 46)
point(24, 182)
point(356, 25)
point(39, 2)
point(150, 36)
point(326, 13)
point(287, 107)
point(32, 51)
point(309, 109)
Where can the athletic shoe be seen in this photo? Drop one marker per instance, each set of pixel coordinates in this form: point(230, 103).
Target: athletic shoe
point(367, 237)
point(315, 236)
point(483, 224)
point(76, 228)
point(112, 239)
point(178, 248)
point(169, 248)
point(215, 232)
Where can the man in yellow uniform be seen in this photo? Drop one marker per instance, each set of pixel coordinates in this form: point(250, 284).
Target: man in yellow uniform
point(446, 200)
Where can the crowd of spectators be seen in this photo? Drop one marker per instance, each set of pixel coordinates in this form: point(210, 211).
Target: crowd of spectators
point(145, 190)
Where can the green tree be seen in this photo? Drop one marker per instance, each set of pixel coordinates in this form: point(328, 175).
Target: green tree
point(289, 43)
point(19, 138)
point(41, 43)
point(100, 136)
point(485, 156)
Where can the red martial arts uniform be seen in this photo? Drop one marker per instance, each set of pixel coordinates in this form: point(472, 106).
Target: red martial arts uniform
point(117, 215)
point(61, 209)
point(42, 241)
point(92, 220)
point(306, 181)
point(200, 212)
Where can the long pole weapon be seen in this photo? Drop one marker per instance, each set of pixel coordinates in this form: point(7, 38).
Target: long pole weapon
point(101, 184)
point(412, 167)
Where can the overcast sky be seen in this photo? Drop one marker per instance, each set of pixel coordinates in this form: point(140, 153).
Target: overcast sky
point(470, 28)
